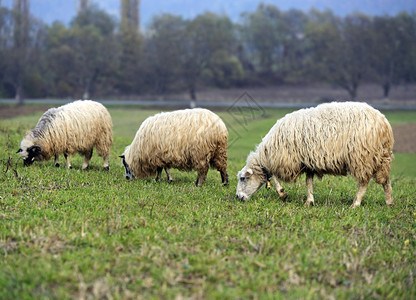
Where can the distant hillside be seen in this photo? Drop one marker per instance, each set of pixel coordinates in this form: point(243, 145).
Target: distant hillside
point(64, 10)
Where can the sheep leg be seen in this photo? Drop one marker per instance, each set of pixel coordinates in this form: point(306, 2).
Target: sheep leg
point(388, 192)
point(56, 160)
point(224, 177)
point(219, 161)
point(158, 173)
point(167, 170)
point(362, 188)
point(106, 164)
point(202, 176)
point(87, 159)
point(67, 160)
point(279, 189)
point(309, 184)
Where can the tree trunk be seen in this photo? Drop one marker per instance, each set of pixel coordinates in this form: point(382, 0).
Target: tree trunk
point(386, 89)
point(19, 95)
point(89, 85)
point(352, 92)
point(86, 94)
point(192, 103)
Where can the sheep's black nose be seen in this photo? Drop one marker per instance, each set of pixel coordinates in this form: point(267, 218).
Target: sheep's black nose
point(27, 162)
point(241, 198)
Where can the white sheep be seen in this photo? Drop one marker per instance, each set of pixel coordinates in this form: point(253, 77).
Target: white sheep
point(189, 139)
point(76, 127)
point(333, 138)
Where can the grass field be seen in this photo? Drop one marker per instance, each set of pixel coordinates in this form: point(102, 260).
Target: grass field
point(93, 234)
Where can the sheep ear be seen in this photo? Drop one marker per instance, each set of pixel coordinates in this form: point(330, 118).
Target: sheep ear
point(20, 150)
point(35, 150)
point(121, 156)
point(248, 173)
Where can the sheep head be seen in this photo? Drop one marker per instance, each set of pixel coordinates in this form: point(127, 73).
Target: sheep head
point(249, 182)
point(128, 173)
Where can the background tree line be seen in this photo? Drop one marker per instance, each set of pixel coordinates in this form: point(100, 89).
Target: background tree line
point(99, 56)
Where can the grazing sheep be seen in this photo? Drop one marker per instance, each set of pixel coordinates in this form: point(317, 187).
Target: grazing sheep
point(190, 139)
point(333, 138)
point(76, 127)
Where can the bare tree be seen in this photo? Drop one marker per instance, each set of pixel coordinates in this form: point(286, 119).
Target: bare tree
point(21, 44)
point(130, 14)
point(83, 5)
point(131, 45)
point(135, 7)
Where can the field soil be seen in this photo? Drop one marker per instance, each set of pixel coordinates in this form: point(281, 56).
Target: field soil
point(404, 134)
point(298, 93)
point(10, 111)
point(405, 138)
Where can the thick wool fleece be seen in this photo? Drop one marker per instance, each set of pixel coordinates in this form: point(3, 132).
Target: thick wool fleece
point(333, 138)
point(190, 139)
point(76, 127)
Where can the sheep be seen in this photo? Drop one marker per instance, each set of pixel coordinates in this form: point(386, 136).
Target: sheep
point(76, 127)
point(189, 139)
point(332, 138)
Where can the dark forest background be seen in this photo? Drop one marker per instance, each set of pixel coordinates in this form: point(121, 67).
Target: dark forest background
point(97, 55)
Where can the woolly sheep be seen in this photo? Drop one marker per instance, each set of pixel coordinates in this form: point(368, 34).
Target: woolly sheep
point(76, 127)
point(190, 139)
point(333, 138)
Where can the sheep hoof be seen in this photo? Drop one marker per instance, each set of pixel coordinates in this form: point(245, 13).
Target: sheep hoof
point(224, 179)
point(170, 181)
point(107, 168)
point(309, 203)
point(57, 165)
point(198, 184)
point(283, 197)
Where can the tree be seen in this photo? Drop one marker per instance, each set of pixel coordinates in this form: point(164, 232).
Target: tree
point(6, 41)
point(264, 39)
point(205, 36)
point(274, 43)
point(83, 5)
point(386, 52)
point(224, 69)
point(62, 78)
point(92, 38)
point(294, 56)
point(406, 24)
point(357, 48)
point(21, 44)
point(163, 52)
point(130, 14)
point(131, 49)
point(340, 49)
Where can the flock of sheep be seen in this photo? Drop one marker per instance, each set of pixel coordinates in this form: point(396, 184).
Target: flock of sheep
point(334, 138)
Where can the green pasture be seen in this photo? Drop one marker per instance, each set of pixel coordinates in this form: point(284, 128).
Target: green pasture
point(93, 234)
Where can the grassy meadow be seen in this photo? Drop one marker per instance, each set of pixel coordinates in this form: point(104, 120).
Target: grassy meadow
point(93, 234)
